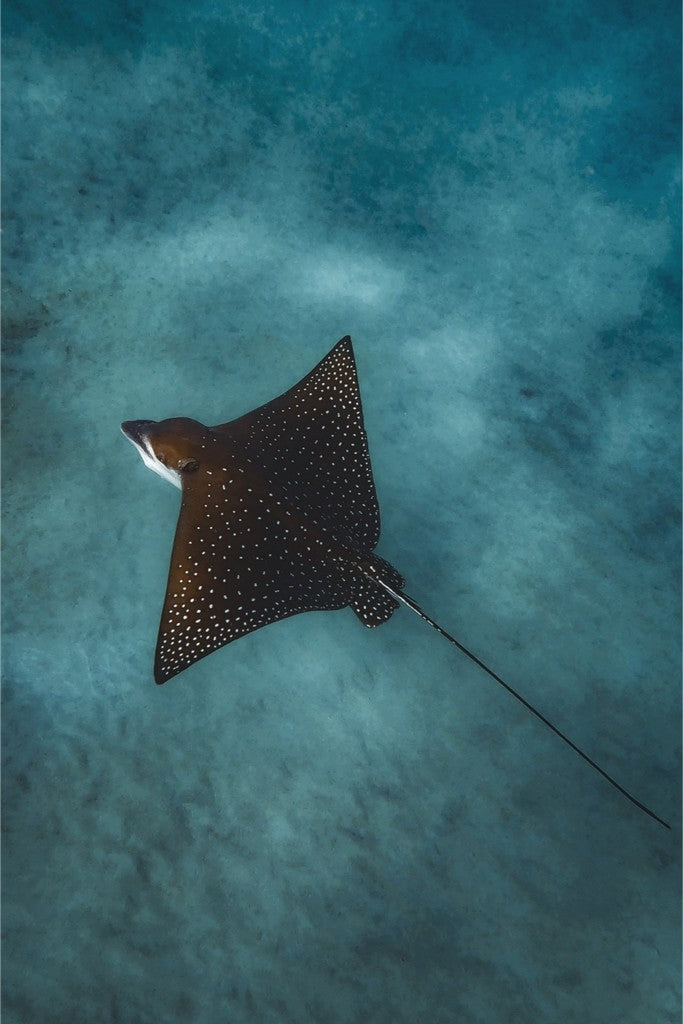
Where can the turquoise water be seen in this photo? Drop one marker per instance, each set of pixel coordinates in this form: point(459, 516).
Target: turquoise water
point(322, 822)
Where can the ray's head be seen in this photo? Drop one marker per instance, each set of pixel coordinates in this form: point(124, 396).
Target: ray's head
point(172, 448)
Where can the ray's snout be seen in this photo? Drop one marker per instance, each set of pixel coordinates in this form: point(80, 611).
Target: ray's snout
point(134, 429)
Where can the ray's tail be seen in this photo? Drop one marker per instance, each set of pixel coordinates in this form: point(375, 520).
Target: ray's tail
point(398, 595)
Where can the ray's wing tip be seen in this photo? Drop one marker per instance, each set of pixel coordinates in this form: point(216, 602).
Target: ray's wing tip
point(161, 677)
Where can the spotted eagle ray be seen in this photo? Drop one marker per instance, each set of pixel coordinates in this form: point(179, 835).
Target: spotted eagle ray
point(279, 515)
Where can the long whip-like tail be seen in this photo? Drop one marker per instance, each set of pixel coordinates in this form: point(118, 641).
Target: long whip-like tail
point(404, 599)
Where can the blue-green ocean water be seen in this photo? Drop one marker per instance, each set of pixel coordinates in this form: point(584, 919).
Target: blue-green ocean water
point(320, 822)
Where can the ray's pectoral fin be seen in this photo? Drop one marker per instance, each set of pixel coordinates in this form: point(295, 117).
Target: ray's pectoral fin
point(311, 441)
point(242, 558)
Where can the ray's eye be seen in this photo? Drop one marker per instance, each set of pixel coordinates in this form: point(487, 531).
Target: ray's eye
point(188, 465)
point(162, 459)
